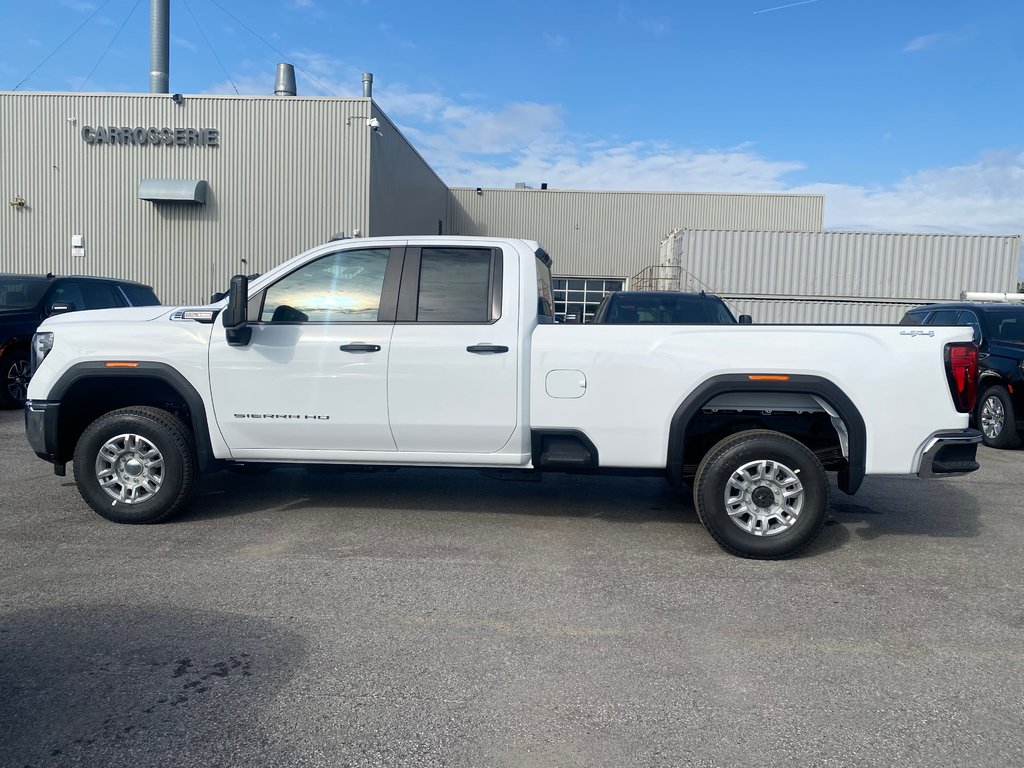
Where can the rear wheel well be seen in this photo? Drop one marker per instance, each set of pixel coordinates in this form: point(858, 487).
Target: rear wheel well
point(809, 409)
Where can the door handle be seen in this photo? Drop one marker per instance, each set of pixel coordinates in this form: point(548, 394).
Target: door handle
point(360, 347)
point(484, 349)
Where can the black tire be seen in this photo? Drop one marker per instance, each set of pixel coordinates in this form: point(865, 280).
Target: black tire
point(785, 529)
point(160, 489)
point(14, 375)
point(996, 418)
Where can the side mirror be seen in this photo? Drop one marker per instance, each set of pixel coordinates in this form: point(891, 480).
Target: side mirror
point(236, 314)
point(60, 307)
point(746, 320)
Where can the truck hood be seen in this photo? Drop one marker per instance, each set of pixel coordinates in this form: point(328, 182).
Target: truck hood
point(119, 315)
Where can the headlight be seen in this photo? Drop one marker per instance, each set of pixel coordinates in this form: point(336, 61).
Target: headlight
point(42, 343)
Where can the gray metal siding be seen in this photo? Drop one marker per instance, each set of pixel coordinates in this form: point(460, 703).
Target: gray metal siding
point(287, 174)
point(617, 234)
point(406, 196)
point(847, 264)
point(817, 311)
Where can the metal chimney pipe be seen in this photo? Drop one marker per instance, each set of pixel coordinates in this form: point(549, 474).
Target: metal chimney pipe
point(367, 85)
point(159, 45)
point(284, 83)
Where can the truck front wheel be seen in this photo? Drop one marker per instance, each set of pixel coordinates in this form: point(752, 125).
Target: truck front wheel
point(761, 494)
point(136, 465)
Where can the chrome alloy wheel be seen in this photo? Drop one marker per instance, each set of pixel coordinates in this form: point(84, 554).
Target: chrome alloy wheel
point(764, 497)
point(129, 468)
point(993, 417)
point(17, 380)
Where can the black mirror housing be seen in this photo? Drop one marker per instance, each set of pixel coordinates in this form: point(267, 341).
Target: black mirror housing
point(746, 320)
point(60, 307)
point(236, 314)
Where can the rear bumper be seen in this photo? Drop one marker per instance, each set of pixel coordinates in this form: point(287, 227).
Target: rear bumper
point(949, 454)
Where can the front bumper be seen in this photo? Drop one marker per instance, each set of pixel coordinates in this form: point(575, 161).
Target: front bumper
point(41, 431)
point(949, 454)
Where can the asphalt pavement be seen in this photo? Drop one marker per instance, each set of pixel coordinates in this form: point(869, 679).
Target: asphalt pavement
point(446, 618)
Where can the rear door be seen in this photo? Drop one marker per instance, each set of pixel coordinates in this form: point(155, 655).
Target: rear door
point(454, 368)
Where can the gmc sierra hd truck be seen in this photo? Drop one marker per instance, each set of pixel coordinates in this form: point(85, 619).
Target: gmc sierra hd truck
point(442, 352)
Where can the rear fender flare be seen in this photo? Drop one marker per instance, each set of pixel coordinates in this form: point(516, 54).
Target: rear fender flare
point(850, 477)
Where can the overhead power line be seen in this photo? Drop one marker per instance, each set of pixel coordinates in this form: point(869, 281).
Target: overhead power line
point(111, 43)
point(90, 18)
point(208, 45)
point(271, 47)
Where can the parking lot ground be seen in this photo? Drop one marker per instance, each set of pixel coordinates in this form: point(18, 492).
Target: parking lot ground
point(439, 617)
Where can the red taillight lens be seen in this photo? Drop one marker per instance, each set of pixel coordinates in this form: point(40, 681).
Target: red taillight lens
point(962, 374)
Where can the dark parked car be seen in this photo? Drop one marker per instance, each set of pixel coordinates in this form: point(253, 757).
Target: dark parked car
point(999, 333)
point(664, 308)
point(27, 300)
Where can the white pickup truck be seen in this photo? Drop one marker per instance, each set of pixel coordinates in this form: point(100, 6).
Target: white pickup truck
point(442, 352)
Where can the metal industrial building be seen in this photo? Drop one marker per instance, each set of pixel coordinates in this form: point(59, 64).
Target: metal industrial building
point(835, 277)
point(182, 191)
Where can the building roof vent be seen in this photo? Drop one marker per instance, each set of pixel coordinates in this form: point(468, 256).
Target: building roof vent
point(284, 82)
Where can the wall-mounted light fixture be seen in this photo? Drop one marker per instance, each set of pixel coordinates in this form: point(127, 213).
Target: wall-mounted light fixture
point(17, 202)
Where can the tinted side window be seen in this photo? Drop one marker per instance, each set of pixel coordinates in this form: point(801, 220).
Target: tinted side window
point(913, 318)
point(943, 317)
point(341, 287)
point(969, 318)
point(100, 296)
point(455, 285)
point(66, 292)
point(140, 296)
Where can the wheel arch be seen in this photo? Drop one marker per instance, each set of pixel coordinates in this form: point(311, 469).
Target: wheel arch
point(87, 390)
point(850, 477)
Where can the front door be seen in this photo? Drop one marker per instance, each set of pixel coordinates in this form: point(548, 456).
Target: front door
point(314, 377)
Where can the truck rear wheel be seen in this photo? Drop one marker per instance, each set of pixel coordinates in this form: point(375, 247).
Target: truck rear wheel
point(136, 465)
point(761, 494)
point(996, 418)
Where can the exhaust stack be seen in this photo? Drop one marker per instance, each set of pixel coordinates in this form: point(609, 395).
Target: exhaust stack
point(159, 45)
point(367, 85)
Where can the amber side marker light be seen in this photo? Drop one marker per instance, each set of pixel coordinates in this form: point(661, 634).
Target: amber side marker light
point(768, 378)
point(121, 365)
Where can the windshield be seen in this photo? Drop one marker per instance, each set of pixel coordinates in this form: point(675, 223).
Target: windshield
point(1007, 325)
point(21, 292)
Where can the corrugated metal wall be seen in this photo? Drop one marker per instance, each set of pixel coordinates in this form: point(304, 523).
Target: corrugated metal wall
point(406, 196)
point(817, 311)
point(288, 173)
point(617, 234)
point(863, 265)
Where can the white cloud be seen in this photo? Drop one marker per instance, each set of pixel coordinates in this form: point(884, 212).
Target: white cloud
point(470, 145)
point(923, 42)
point(555, 40)
point(188, 44)
point(79, 6)
point(298, 4)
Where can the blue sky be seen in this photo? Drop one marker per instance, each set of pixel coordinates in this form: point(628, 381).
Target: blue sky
point(906, 114)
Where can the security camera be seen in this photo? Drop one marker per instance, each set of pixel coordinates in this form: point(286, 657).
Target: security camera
point(373, 123)
point(177, 98)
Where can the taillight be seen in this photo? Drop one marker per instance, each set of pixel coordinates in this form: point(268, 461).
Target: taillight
point(962, 374)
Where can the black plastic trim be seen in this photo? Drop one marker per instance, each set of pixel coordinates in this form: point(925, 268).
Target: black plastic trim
point(537, 449)
point(161, 371)
point(850, 477)
point(41, 418)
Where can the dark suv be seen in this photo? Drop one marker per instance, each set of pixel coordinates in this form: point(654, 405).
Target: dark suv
point(27, 300)
point(999, 334)
point(663, 308)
